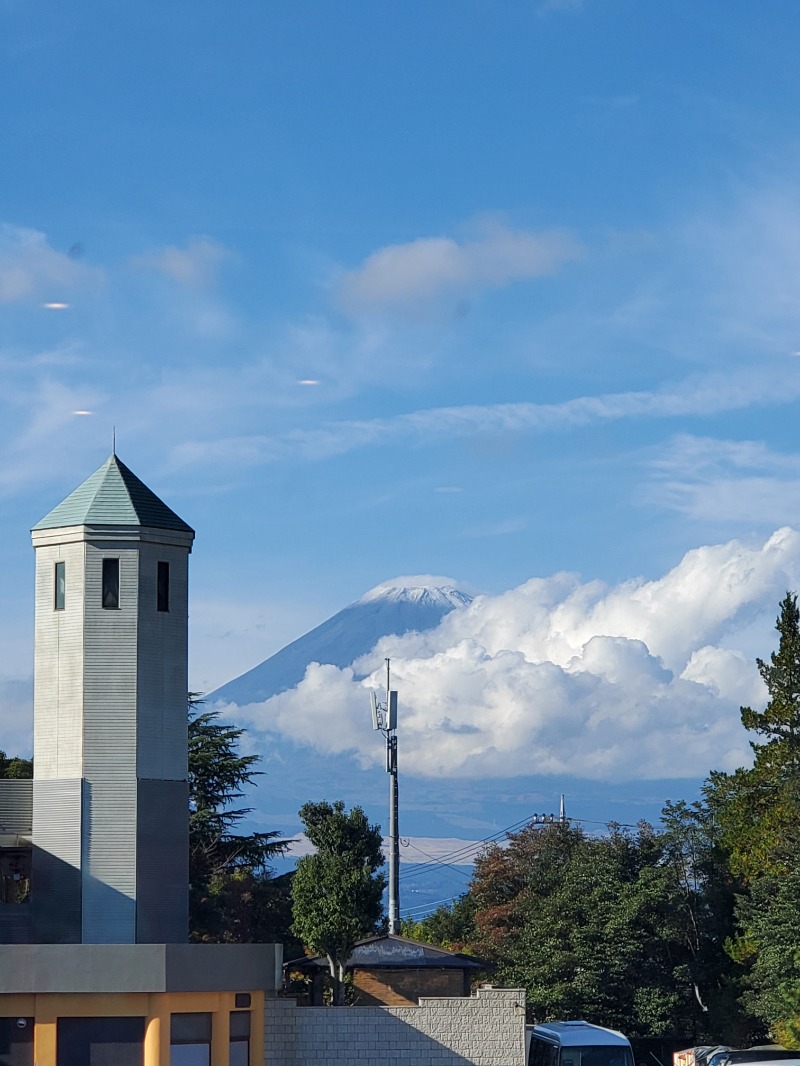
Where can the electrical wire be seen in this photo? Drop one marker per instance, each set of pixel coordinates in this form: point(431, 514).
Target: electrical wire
point(450, 858)
point(466, 853)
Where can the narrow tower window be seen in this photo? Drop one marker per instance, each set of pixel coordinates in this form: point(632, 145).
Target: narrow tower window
point(59, 593)
point(163, 587)
point(110, 584)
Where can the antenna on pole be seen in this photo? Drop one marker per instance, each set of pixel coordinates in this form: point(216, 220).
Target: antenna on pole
point(384, 718)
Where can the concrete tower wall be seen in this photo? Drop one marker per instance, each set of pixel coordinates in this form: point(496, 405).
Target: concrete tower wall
point(110, 663)
point(58, 673)
point(162, 675)
point(111, 732)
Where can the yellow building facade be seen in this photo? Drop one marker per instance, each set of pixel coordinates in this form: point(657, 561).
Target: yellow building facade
point(236, 1036)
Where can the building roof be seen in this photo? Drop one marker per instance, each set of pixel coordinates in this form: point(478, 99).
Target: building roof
point(395, 952)
point(113, 496)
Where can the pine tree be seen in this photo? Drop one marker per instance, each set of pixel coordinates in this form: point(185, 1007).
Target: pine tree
point(233, 895)
point(757, 812)
point(757, 807)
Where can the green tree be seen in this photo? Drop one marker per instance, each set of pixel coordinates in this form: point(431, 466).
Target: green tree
point(757, 807)
point(15, 767)
point(757, 812)
point(706, 893)
point(337, 892)
point(769, 940)
point(233, 894)
point(452, 928)
point(591, 927)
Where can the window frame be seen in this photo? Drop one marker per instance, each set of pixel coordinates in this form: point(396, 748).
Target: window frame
point(60, 585)
point(109, 592)
point(162, 586)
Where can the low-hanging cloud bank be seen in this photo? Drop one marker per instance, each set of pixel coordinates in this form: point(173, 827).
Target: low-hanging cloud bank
point(560, 676)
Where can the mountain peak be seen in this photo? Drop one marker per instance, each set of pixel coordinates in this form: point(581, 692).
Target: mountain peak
point(393, 607)
point(421, 589)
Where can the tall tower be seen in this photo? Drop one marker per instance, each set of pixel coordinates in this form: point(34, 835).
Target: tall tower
point(110, 808)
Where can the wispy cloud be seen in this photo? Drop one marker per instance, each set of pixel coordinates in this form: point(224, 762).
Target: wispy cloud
point(697, 395)
point(415, 276)
point(32, 270)
point(195, 265)
point(43, 409)
point(727, 480)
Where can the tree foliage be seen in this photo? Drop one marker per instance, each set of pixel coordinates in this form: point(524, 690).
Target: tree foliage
point(757, 812)
point(622, 930)
point(12, 766)
point(756, 808)
point(452, 928)
point(233, 894)
point(337, 892)
point(693, 929)
point(591, 927)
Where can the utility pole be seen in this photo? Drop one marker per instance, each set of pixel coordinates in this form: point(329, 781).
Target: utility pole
point(549, 819)
point(384, 718)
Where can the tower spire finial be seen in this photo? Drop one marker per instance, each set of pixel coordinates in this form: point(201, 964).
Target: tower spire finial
point(113, 440)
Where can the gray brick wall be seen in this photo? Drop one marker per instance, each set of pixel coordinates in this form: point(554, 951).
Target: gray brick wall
point(487, 1029)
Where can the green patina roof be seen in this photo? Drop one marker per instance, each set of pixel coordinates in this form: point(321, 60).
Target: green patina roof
point(113, 496)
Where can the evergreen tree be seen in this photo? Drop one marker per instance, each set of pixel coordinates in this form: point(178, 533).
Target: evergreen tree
point(594, 928)
point(757, 811)
point(233, 895)
point(706, 891)
point(337, 892)
point(757, 807)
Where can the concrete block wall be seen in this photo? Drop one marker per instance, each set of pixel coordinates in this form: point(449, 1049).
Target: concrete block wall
point(487, 1029)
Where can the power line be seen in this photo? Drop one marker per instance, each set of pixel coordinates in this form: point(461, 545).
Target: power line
point(411, 911)
point(451, 859)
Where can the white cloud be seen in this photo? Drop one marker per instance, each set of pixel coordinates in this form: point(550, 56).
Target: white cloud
point(30, 269)
point(640, 680)
point(195, 265)
point(727, 480)
point(696, 395)
point(414, 276)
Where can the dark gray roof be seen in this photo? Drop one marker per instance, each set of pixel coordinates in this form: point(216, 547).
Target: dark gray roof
point(395, 952)
point(113, 496)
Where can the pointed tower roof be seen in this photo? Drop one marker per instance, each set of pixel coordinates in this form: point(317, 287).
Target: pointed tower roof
point(113, 496)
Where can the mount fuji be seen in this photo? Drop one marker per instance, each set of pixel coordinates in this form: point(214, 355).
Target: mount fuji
point(294, 773)
point(437, 815)
point(386, 610)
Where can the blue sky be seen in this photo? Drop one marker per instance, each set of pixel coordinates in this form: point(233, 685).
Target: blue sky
point(488, 290)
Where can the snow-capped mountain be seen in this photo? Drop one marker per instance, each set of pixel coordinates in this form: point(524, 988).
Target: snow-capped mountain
point(383, 611)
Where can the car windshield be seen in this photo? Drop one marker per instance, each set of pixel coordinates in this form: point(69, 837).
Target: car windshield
point(594, 1055)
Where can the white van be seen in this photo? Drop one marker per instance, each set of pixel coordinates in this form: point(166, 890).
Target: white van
point(576, 1044)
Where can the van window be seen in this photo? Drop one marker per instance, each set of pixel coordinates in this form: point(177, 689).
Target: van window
point(596, 1055)
point(541, 1053)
